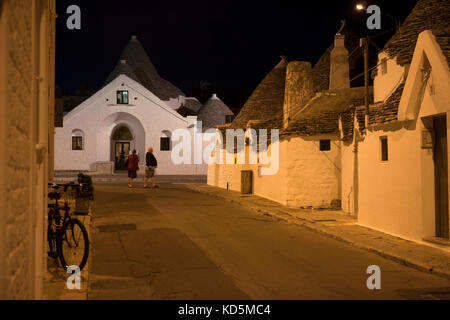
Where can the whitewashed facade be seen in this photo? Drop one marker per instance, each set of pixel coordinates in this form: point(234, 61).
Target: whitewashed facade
point(136, 109)
point(387, 165)
point(96, 120)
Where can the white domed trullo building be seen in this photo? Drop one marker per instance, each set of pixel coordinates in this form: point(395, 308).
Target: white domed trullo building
point(135, 109)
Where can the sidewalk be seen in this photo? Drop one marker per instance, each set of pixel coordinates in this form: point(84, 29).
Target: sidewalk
point(122, 177)
point(343, 227)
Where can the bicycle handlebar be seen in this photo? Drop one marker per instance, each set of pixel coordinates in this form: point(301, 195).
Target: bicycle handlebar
point(65, 185)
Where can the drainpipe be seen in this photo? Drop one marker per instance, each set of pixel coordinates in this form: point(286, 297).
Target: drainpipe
point(365, 44)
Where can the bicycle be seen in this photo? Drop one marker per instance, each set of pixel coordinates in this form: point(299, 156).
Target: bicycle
point(67, 237)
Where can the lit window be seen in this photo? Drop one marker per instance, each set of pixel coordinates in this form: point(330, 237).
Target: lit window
point(384, 148)
point(325, 145)
point(122, 97)
point(383, 66)
point(165, 144)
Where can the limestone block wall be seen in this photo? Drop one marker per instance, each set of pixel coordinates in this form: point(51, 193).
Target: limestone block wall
point(25, 86)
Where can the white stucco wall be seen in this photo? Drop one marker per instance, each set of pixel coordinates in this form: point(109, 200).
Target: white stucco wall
point(146, 116)
point(385, 84)
point(349, 162)
point(272, 187)
point(390, 192)
point(397, 196)
point(313, 176)
point(306, 175)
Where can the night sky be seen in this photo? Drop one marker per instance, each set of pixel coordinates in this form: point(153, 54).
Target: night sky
point(231, 44)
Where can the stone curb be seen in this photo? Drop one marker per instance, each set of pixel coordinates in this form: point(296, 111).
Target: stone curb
point(328, 232)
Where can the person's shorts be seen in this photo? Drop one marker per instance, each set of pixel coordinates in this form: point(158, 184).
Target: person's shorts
point(132, 174)
point(149, 172)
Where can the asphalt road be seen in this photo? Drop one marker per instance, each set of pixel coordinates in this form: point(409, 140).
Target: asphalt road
point(174, 243)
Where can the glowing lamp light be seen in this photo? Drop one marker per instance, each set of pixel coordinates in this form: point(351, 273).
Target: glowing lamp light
point(359, 6)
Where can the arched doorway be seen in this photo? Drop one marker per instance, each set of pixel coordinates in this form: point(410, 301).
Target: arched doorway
point(108, 131)
point(122, 139)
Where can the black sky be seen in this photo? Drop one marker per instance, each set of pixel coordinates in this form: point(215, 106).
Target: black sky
point(231, 44)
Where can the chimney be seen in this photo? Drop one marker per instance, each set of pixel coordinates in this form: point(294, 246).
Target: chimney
point(133, 37)
point(339, 67)
point(214, 96)
point(123, 61)
point(299, 88)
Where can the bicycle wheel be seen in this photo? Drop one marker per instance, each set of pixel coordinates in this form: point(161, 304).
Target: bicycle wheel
point(73, 244)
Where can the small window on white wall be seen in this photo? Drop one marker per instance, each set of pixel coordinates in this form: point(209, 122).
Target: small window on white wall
point(165, 143)
point(77, 140)
point(325, 145)
point(122, 97)
point(384, 149)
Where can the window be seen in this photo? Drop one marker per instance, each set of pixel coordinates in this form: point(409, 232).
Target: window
point(165, 144)
point(383, 66)
point(122, 97)
point(77, 143)
point(325, 145)
point(384, 148)
point(77, 139)
point(229, 118)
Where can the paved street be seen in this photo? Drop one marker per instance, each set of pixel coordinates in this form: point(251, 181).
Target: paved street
point(175, 243)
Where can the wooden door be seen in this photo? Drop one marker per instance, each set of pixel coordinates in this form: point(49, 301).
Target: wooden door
point(441, 177)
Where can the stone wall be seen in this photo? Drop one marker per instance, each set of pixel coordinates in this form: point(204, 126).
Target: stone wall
point(21, 217)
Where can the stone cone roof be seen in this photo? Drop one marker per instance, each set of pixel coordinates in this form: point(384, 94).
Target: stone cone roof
point(431, 15)
point(321, 114)
point(213, 112)
point(193, 104)
point(265, 104)
point(122, 68)
point(145, 72)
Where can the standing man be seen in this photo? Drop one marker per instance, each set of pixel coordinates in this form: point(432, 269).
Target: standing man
point(151, 164)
